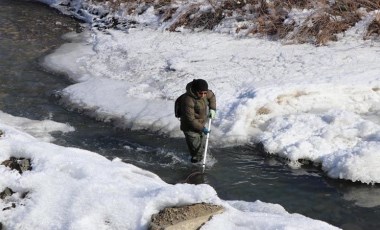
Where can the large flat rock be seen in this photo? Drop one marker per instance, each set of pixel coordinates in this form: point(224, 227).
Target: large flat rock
point(189, 217)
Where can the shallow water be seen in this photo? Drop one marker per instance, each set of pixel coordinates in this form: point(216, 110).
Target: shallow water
point(29, 30)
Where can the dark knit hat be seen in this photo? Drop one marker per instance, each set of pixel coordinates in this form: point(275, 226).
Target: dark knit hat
point(199, 85)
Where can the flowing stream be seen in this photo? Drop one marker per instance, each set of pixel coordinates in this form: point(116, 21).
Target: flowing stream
point(30, 30)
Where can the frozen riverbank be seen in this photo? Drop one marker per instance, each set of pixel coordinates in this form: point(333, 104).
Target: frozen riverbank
point(302, 102)
point(70, 188)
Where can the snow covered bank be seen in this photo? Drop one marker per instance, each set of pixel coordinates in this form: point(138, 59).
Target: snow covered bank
point(70, 188)
point(39, 129)
point(301, 101)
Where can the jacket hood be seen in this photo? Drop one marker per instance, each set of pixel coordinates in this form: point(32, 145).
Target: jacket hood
point(189, 90)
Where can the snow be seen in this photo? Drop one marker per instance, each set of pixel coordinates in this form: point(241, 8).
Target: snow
point(70, 188)
point(300, 101)
point(39, 129)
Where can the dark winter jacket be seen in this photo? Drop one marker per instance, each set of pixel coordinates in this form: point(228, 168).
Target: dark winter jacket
point(194, 109)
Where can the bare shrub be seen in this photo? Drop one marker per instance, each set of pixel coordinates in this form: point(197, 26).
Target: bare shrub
point(352, 5)
point(270, 20)
point(272, 26)
point(233, 5)
point(206, 20)
point(301, 4)
point(262, 8)
point(160, 3)
point(374, 28)
point(322, 26)
point(184, 18)
point(166, 13)
point(261, 17)
point(330, 19)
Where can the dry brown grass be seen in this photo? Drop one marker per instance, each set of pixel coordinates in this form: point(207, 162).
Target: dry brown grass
point(285, 98)
point(263, 111)
point(267, 17)
point(322, 27)
point(167, 13)
point(206, 20)
point(374, 28)
point(353, 5)
point(184, 18)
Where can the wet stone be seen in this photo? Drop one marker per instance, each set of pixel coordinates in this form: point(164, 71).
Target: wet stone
point(19, 164)
point(12, 206)
point(7, 192)
point(25, 165)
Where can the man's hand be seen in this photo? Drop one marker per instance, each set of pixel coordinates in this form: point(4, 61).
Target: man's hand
point(205, 130)
point(212, 114)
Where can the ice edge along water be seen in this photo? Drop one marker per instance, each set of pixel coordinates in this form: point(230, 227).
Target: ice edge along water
point(300, 101)
point(70, 188)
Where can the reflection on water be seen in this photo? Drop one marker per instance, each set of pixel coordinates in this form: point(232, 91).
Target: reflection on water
point(29, 30)
point(363, 197)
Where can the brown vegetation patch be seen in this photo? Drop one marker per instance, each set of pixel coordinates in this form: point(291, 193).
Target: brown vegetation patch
point(300, 93)
point(206, 20)
point(166, 13)
point(353, 5)
point(284, 98)
point(322, 26)
point(263, 111)
point(184, 18)
point(257, 17)
point(193, 18)
point(374, 28)
point(301, 4)
point(231, 4)
point(329, 19)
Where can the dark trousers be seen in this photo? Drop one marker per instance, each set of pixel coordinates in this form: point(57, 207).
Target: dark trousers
point(196, 144)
